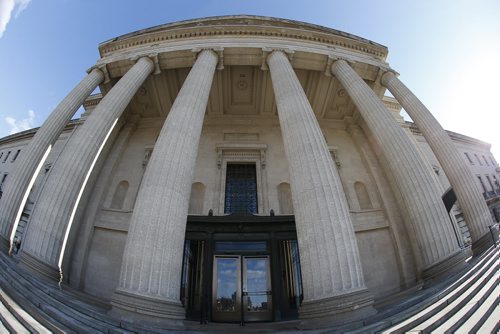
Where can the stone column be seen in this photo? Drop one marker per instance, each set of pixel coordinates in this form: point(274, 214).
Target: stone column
point(53, 214)
point(462, 180)
point(429, 226)
point(16, 189)
point(332, 275)
point(150, 275)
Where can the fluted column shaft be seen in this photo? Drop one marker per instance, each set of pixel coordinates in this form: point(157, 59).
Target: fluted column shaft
point(429, 227)
point(474, 208)
point(53, 213)
point(31, 156)
point(152, 260)
point(329, 252)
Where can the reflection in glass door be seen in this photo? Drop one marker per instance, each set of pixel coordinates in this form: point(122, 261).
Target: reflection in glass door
point(226, 299)
point(231, 283)
point(257, 299)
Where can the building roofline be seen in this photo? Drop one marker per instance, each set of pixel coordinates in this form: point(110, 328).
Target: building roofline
point(457, 137)
point(242, 22)
point(27, 134)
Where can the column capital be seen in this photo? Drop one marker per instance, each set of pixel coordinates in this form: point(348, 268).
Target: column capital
point(334, 58)
point(154, 59)
point(104, 69)
point(216, 51)
point(270, 51)
point(94, 68)
point(388, 73)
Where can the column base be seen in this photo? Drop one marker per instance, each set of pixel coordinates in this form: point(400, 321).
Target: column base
point(139, 309)
point(39, 267)
point(445, 268)
point(4, 245)
point(482, 244)
point(336, 310)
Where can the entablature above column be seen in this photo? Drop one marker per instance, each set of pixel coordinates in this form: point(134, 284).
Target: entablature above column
point(241, 53)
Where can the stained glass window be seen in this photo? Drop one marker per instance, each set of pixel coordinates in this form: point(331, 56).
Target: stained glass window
point(241, 189)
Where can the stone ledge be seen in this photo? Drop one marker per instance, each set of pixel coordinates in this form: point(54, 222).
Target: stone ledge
point(336, 310)
point(132, 307)
point(39, 268)
point(482, 244)
point(445, 268)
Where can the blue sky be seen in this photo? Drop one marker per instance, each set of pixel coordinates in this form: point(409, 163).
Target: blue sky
point(447, 51)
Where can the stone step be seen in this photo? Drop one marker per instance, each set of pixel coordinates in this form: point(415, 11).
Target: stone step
point(491, 325)
point(444, 298)
point(73, 301)
point(30, 323)
point(71, 313)
point(56, 310)
point(46, 302)
point(10, 321)
point(3, 329)
point(425, 298)
point(483, 312)
point(33, 308)
point(457, 312)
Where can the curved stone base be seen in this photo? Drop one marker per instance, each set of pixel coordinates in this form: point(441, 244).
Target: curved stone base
point(4, 245)
point(482, 244)
point(137, 308)
point(336, 310)
point(445, 268)
point(39, 268)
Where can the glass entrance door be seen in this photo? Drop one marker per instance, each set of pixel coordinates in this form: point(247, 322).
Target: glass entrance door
point(241, 288)
point(226, 298)
point(257, 299)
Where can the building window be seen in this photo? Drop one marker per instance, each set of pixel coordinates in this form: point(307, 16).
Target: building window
point(253, 154)
point(15, 155)
point(478, 160)
point(468, 158)
point(495, 181)
point(489, 181)
point(241, 189)
point(363, 198)
point(486, 161)
point(492, 161)
point(4, 177)
point(482, 183)
point(1, 155)
point(6, 157)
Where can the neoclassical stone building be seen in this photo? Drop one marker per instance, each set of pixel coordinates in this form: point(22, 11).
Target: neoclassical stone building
point(243, 168)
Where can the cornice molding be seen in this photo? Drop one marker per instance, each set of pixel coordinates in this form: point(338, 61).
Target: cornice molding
point(154, 38)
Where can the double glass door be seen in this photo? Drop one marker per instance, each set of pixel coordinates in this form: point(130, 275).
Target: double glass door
point(241, 288)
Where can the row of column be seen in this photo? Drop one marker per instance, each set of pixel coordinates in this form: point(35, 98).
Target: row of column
point(151, 268)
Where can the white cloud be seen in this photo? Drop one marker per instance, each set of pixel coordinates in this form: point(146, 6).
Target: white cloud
point(21, 125)
point(6, 9)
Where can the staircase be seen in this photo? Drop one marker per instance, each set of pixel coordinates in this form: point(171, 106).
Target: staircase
point(465, 303)
point(468, 305)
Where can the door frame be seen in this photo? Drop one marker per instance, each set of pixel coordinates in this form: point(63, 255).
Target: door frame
point(272, 229)
point(241, 313)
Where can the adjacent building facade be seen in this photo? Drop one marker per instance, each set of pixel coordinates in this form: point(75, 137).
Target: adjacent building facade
point(244, 168)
